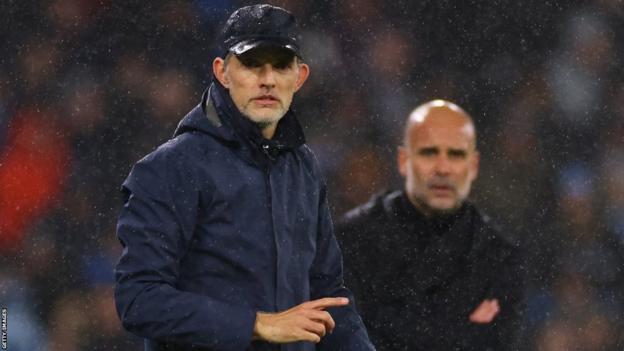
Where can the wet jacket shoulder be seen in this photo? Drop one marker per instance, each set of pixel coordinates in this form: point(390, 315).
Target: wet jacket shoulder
point(417, 281)
point(219, 223)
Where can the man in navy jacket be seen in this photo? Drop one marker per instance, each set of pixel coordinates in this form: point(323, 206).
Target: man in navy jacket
point(228, 242)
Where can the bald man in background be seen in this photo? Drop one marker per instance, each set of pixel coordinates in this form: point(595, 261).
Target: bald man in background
point(429, 271)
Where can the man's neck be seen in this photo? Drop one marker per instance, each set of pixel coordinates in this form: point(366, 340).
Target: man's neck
point(269, 131)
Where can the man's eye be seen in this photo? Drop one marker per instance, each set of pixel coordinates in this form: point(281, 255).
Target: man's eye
point(251, 63)
point(282, 65)
point(457, 154)
point(428, 152)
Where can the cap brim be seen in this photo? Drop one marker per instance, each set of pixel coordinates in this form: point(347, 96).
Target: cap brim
point(246, 45)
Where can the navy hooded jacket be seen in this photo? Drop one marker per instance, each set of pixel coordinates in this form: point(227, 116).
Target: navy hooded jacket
point(219, 223)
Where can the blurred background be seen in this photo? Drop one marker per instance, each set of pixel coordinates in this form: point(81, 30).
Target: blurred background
point(88, 87)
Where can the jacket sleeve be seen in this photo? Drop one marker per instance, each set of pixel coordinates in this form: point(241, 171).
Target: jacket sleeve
point(326, 279)
point(510, 290)
point(155, 228)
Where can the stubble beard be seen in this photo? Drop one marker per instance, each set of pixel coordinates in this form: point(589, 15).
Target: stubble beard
point(265, 122)
point(425, 206)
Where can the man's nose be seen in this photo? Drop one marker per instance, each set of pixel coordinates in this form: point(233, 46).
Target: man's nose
point(442, 165)
point(267, 75)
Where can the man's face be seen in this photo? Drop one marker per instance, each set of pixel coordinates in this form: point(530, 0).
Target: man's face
point(262, 82)
point(439, 161)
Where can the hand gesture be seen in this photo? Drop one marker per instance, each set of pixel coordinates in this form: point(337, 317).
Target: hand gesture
point(305, 322)
point(485, 313)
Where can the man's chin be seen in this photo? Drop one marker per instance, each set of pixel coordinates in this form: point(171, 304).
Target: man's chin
point(264, 121)
point(443, 208)
point(436, 207)
point(263, 124)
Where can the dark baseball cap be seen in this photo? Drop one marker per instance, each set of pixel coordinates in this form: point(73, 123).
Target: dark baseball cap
point(262, 25)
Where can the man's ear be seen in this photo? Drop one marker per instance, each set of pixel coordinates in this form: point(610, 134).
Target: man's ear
point(304, 72)
point(218, 69)
point(474, 165)
point(402, 161)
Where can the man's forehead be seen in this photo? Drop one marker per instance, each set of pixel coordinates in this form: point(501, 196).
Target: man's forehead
point(442, 136)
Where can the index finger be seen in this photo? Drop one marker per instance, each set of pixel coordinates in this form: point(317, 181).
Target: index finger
point(326, 302)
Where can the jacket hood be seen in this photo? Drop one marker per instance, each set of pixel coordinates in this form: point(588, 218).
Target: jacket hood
point(218, 116)
point(204, 118)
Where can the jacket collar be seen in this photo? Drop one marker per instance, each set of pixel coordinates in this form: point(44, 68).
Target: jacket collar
point(217, 115)
point(398, 204)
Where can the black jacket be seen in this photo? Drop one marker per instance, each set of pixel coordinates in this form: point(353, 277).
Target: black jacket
point(219, 223)
point(417, 280)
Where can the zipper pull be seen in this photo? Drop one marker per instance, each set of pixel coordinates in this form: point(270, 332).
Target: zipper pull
point(266, 148)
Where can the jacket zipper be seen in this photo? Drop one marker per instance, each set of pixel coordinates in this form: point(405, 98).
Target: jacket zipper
point(267, 172)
